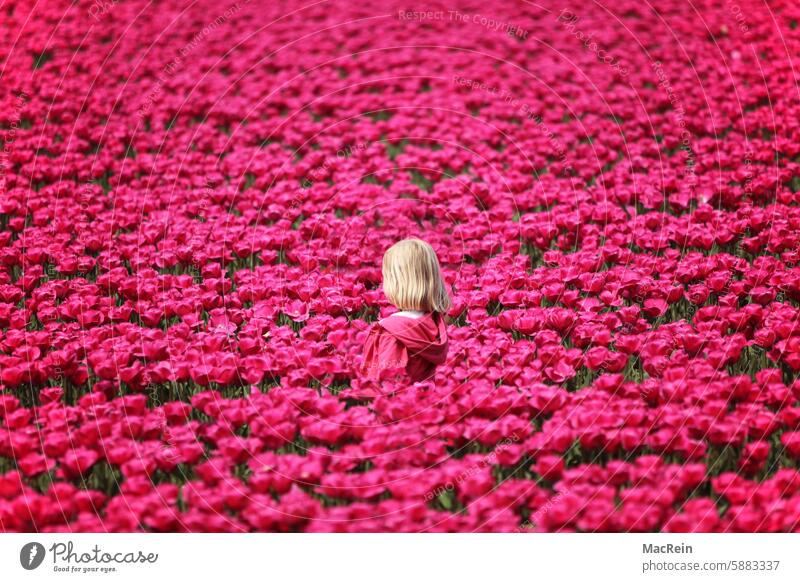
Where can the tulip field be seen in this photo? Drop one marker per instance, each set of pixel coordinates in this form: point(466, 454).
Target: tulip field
point(195, 197)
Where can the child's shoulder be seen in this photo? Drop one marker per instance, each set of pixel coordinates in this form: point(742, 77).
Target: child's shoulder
point(383, 326)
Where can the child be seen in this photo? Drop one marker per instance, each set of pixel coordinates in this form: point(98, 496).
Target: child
point(414, 338)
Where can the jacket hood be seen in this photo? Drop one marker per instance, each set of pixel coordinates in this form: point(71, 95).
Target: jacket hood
point(425, 337)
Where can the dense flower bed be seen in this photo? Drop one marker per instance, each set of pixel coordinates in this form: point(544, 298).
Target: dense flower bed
point(194, 201)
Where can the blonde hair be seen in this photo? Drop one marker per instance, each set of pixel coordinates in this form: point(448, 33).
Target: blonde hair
point(412, 278)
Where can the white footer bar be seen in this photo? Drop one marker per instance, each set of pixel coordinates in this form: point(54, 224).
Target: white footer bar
point(400, 557)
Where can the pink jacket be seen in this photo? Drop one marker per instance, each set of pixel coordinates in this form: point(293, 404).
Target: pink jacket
point(416, 345)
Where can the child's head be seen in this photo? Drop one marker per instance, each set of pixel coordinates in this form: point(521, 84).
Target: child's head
point(412, 279)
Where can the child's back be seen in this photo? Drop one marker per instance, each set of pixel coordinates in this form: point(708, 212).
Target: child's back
point(415, 344)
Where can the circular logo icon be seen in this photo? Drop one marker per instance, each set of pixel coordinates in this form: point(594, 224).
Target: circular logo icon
point(31, 555)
